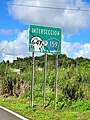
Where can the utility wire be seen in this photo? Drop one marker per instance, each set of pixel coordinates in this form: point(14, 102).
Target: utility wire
point(1, 50)
point(46, 7)
point(57, 2)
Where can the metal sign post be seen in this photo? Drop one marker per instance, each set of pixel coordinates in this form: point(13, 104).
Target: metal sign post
point(44, 40)
point(44, 86)
point(32, 82)
point(56, 81)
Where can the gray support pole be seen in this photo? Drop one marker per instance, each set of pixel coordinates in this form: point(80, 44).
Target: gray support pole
point(32, 82)
point(56, 75)
point(44, 84)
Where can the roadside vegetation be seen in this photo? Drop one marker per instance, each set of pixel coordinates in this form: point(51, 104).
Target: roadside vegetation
point(73, 102)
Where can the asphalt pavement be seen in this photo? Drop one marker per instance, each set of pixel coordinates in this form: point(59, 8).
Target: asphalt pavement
point(5, 115)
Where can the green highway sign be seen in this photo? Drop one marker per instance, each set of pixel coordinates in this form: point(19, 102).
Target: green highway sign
point(44, 39)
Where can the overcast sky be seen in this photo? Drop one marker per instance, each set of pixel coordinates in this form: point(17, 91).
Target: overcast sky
point(17, 15)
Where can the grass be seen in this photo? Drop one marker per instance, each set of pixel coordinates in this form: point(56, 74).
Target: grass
point(81, 106)
point(22, 106)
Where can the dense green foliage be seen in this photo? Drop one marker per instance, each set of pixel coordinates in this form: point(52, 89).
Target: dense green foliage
point(73, 82)
point(73, 77)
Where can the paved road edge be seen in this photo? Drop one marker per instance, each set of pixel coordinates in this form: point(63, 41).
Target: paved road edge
point(15, 114)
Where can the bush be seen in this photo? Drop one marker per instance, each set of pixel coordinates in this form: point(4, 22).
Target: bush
point(81, 105)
